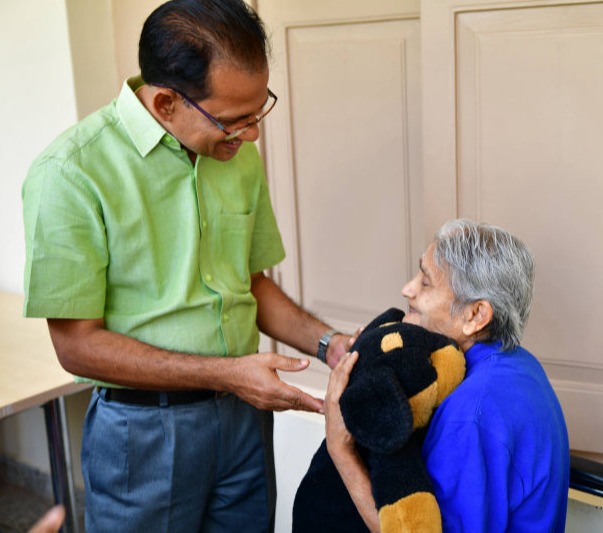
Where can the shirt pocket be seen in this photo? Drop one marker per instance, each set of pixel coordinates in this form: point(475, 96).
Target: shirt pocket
point(231, 243)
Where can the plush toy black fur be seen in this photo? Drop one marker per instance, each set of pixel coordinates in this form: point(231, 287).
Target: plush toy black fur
point(402, 374)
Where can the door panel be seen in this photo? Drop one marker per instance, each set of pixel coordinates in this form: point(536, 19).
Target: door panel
point(343, 153)
point(351, 163)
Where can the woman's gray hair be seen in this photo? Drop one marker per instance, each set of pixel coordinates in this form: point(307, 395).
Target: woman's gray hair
point(484, 262)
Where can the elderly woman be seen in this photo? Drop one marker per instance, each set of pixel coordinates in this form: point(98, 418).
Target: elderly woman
point(497, 448)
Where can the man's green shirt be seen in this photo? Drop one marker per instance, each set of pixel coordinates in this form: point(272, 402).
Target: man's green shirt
point(121, 226)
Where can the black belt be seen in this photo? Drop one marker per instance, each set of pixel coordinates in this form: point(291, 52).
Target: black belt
point(159, 398)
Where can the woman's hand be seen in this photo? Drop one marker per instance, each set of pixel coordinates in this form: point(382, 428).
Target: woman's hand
point(339, 439)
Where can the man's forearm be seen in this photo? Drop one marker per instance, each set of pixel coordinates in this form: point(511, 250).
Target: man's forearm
point(282, 319)
point(86, 349)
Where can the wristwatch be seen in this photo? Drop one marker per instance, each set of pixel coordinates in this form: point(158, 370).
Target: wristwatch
point(323, 344)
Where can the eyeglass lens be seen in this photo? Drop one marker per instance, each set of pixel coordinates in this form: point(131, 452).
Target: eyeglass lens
point(270, 103)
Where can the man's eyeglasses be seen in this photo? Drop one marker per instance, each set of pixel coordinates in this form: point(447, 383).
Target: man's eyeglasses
point(268, 106)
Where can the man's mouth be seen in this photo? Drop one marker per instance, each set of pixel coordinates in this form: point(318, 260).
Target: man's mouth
point(233, 143)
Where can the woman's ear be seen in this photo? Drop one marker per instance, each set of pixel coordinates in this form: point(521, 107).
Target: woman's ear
point(477, 315)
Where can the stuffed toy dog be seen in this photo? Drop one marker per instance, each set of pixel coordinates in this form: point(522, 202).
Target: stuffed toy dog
point(402, 374)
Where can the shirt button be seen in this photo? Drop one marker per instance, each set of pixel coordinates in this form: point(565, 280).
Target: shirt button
point(226, 318)
point(204, 224)
point(207, 277)
point(170, 141)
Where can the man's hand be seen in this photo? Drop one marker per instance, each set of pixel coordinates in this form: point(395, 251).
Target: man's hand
point(338, 347)
point(254, 379)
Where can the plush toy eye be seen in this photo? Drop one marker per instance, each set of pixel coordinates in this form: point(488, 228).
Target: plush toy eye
point(391, 341)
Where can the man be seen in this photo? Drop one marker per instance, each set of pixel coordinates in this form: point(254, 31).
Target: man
point(497, 448)
point(148, 229)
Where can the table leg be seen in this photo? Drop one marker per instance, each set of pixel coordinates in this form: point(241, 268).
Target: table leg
point(60, 462)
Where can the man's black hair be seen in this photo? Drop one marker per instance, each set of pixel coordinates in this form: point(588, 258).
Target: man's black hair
point(182, 38)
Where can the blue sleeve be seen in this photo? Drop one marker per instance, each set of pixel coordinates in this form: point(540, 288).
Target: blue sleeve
point(470, 471)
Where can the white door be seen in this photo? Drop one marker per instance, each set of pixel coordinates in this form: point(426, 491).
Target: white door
point(343, 152)
point(513, 119)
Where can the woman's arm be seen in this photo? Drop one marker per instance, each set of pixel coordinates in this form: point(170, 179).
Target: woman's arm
point(341, 447)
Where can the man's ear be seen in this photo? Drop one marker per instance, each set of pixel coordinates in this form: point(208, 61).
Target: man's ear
point(164, 103)
point(477, 315)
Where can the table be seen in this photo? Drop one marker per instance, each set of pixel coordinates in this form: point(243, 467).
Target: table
point(31, 376)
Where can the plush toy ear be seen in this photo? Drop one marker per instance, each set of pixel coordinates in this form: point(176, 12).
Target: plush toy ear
point(391, 315)
point(376, 411)
point(449, 363)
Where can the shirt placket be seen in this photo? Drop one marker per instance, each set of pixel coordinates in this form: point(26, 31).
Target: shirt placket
point(206, 267)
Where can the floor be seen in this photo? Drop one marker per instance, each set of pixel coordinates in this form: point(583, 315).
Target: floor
point(20, 508)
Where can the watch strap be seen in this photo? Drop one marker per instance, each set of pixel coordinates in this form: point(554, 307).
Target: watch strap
point(323, 344)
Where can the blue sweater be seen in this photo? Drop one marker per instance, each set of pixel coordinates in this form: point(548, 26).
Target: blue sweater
point(497, 448)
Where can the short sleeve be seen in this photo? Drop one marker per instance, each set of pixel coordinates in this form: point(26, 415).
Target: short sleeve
point(66, 245)
point(267, 249)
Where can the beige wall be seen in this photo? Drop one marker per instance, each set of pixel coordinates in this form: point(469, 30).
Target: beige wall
point(38, 102)
point(93, 53)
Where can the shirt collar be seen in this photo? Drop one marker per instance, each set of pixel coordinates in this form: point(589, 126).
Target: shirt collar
point(481, 351)
point(143, 129)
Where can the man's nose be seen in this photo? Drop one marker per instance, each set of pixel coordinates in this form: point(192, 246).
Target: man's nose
point(252, 134)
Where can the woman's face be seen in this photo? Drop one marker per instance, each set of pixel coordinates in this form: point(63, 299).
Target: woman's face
point(430, 299)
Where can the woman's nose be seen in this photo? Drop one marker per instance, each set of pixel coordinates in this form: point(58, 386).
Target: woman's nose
point(408, 289)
